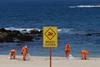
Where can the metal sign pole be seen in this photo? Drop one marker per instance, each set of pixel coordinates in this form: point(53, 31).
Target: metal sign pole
point(50, 57)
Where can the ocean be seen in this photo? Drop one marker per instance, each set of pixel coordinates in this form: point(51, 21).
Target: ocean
point(73, 20)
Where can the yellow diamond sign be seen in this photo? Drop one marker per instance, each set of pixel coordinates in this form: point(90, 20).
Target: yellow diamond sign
point(50, 37)
point(50, 33)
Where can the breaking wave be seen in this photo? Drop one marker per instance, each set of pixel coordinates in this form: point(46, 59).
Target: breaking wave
point(85, 6)
point(22, 29)
point(60, 30)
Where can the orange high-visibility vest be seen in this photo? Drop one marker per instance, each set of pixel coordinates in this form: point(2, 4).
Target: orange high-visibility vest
point(84, 53)
point(24, 50)
point(67, 47)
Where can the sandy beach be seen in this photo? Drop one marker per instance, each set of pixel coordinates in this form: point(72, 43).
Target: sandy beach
point(38, 61)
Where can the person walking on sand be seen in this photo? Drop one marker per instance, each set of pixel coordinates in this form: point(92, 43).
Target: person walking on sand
point(24, 52)
point(84, 54)
point(13, 54)
point(67, 50)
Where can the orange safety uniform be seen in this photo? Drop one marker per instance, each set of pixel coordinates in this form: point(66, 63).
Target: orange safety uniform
point(67, 50)
point(13, 54)
point(84, 54)
point(24, 52)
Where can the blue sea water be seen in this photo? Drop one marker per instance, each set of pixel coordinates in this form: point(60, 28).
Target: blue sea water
point(73, 23)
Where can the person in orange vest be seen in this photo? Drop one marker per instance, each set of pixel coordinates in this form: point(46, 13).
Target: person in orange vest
point(13, 54)
point(24, 52)
point(84, 54)
point(67, 50)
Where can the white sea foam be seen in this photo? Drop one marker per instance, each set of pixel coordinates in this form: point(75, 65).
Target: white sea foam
point(85, 6)
point(61, 30)
point(65, 30)
point(22, 29)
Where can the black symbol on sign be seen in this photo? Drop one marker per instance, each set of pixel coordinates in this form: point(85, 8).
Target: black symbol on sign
point(50, 33)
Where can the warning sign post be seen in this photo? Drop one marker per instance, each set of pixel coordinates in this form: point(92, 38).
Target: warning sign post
point(50, 39)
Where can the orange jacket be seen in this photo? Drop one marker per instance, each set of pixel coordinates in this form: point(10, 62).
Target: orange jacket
point(67, 47)
point(24, 50)
point(84, 53)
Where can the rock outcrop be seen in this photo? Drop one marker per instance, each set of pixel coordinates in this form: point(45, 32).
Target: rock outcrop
point(15, 35)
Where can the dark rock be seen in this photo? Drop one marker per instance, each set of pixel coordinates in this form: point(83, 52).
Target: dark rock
point(88, 34)
point(14, 35)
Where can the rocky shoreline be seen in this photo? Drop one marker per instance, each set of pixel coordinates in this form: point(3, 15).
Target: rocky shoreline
point(19, 36)
point(30, 34)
